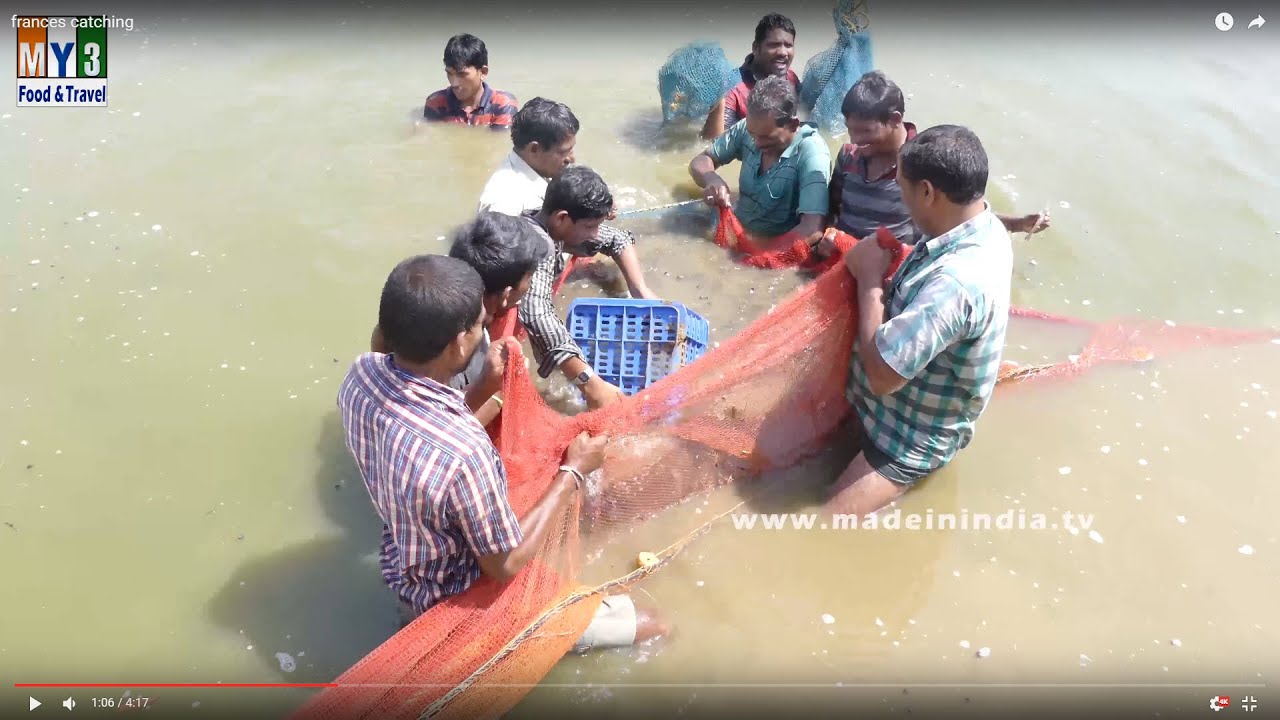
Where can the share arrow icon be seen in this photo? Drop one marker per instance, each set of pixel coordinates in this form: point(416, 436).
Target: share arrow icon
point(1257, 22)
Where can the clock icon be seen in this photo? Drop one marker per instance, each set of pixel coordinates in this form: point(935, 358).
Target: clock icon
point(1224, 21)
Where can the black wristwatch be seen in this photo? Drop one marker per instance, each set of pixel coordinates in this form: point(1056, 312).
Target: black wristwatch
point(584, 377)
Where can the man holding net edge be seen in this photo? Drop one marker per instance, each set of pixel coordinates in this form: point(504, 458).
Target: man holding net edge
point(929, 340)
point(786, 166)
point(432, 472)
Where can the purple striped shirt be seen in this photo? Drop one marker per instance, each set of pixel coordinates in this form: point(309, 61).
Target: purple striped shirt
point(433, 475)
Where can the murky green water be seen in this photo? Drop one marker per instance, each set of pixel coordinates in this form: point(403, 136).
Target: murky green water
point(185, 276)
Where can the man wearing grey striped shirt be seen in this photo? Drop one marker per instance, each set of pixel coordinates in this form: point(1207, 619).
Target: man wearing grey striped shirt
point(576, 203)
point(864, 190)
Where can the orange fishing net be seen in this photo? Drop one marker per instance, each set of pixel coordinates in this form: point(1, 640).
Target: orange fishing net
point(764, 399)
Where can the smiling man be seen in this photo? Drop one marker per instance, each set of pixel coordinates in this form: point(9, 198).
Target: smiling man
point(771, 54)
point(469, 100)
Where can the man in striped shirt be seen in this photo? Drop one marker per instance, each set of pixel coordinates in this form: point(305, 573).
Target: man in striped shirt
point(469, 100)
point(433, 475)
point(928, 344)
point(576, 204)
point(864, 192)
point(772, 53)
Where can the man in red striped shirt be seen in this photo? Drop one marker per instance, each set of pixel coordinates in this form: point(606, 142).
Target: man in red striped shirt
point(469, 100)
point(771, 54)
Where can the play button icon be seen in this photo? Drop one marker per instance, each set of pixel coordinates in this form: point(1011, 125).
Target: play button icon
point(34, 703)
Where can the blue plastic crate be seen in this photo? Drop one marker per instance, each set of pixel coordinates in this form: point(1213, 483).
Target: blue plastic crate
point(635, 343)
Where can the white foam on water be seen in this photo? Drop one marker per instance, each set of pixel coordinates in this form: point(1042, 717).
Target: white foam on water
point(1064, 470)
point(828, 619)
point(1245, 550)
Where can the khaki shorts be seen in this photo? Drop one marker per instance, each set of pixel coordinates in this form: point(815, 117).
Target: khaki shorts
point(614, 624)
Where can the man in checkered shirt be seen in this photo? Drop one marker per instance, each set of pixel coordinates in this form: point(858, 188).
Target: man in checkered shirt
point(929, 341)
point(432, 473)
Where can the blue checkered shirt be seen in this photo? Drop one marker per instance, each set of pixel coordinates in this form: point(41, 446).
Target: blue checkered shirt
point(946, 312)
point(433, 475)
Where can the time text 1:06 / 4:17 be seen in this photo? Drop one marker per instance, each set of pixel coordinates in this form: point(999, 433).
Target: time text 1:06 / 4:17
point(128, 702)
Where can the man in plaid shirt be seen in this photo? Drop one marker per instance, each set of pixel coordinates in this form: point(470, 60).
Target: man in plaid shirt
point(434, 476)
point(929, 341)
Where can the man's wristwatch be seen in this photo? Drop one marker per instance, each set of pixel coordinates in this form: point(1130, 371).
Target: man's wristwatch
point(584, 377)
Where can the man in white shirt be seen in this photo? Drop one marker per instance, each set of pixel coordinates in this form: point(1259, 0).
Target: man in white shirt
point(544, 133)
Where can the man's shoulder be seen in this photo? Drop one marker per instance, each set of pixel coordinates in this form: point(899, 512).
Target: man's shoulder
point(363, 372)
point(439, 99)
point(813, 153)
point(815, 144)
point(503, 99)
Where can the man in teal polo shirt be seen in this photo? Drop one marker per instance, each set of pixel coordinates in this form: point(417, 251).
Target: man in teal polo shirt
point(928, 346)
point(786, 166)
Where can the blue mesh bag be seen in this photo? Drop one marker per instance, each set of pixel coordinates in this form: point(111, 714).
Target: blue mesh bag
point(693, 79)
point(830, 73)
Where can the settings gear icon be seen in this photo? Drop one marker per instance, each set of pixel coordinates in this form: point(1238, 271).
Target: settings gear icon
point(1217, 702)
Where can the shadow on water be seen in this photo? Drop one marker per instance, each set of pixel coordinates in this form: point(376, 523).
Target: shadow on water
point(644, 130)
point(322, 601)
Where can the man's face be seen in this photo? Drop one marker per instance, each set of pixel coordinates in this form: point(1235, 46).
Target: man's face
point(768, 135)
point(875, 135)
point(775, 51)
point(549, 162)
point(469, 341)
point(466, 83)
point(497, 303)
point(574, 235)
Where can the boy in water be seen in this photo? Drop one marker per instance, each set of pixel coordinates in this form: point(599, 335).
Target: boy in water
point(469, 100)
point(864, 190)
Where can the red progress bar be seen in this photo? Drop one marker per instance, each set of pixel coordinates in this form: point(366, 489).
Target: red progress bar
point(174, 685)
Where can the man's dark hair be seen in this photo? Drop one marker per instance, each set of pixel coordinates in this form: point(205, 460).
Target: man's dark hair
point(951, 158)
point(546, 122)
point(579, 191)
point(426, 301)
point(873, 97)
point(501, 248)
point(774, 21)
point(464, 51)
point(775, 96)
